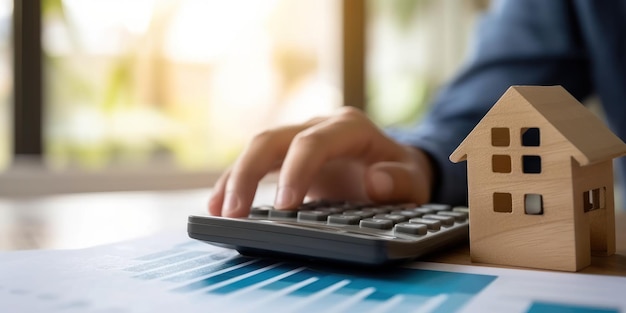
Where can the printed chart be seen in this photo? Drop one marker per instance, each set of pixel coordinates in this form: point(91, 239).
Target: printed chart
point(170, 272)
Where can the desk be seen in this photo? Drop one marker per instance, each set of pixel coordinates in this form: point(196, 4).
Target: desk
point(83, 220)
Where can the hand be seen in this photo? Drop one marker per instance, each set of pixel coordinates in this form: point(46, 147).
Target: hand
point(344, 156)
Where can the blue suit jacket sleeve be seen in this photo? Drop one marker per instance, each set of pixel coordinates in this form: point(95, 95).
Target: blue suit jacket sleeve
point(519, 42)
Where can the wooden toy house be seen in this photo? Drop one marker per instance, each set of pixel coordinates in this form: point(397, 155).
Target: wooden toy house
point(540, 181)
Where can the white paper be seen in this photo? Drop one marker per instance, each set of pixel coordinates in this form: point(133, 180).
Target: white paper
point(172, 273)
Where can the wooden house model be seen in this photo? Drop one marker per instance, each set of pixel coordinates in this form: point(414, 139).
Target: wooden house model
point(540, 181)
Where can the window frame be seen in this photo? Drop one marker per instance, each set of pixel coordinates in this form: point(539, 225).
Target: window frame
point(27, 79)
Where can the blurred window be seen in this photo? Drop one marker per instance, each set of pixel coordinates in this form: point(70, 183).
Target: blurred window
point(414, 46)
point(182, 81)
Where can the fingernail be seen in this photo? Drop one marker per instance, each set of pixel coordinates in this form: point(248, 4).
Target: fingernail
point(383, 183)
point(285, 198)
point(231, 204)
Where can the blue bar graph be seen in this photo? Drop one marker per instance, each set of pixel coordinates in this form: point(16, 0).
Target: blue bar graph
point(206, 270)
point(164, 262)
point(211, 280)
point(254, 284)
point(252, 280)
point(192, 277)
point(545, 307)
point(397, 288)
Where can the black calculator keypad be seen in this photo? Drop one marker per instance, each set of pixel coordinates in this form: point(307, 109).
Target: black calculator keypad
point(339, 230)
point(403, 219)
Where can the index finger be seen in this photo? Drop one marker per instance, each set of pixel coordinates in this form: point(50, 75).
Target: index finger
point(264, 154)
point(348, 135)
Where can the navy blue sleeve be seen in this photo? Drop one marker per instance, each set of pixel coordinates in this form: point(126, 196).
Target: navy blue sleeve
point(519, 42)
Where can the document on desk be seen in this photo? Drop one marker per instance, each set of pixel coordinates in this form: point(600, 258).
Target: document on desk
point(171, 273)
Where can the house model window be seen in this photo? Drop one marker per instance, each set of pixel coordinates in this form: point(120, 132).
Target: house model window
point(500, 137)
point(501, 163)
point(533, 204)
point(594, 199)
point(531, 164)
point(502, 202)
point(530, 137)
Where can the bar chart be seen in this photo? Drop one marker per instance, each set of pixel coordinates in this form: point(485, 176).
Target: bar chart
point(175, 274)
point(251, 285)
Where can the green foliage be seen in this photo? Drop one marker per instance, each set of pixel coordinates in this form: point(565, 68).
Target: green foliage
point(402, 11)
point(119, 86)
point(52, 7)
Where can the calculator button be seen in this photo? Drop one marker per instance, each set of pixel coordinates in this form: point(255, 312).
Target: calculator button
point(437, 207)
point(376, 223)
point(445, 220)
point(460, 209)
point(313, 215)
point(431, 224)
point(395, 218)
point(362, 214)
point(423, 211)
point(407, 213)
point(283, 213)
point(261, 211)
point(458, 216)
point(344, 219)
point(411, 228)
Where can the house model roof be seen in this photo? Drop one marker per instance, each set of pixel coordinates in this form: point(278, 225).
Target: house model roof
point(591, 141)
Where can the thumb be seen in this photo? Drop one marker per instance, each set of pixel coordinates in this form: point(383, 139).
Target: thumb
point(393, 182)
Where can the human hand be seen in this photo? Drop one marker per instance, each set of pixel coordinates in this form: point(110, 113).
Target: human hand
point(344, 156)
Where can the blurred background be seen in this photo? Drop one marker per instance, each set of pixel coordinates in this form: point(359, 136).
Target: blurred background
point(163, 94)
point(116, 116)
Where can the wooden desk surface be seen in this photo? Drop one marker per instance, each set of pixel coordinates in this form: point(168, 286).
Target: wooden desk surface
point(83, 220)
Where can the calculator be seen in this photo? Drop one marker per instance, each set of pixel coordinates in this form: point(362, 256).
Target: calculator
point(338, 231)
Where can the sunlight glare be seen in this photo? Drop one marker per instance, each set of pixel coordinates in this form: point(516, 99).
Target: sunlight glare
point(204, 30)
